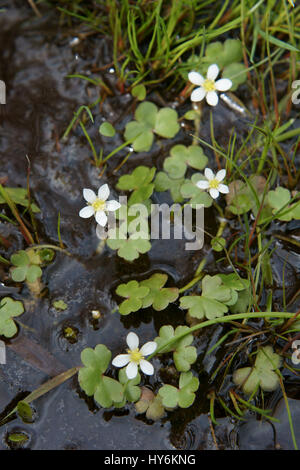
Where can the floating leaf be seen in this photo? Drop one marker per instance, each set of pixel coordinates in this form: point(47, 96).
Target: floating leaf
point(164, 183)
point(183, 396)
point(129, 249)
point(26, 266)
point(106, 391)
point(223, 54)
point(183, 354)
point(181, 157)
point(150, 120)
point(159, 296)
point(107, 130)
point(202, 307)
point(261, 374)
point(140, 182)
point(139, 92)
point(134, 293)
point(213, 301)
point(279, 199)
point(9, 308)
point(190, 190)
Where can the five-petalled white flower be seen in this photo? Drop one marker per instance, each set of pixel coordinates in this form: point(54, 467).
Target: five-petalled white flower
point(208, 87)
point(213, 183)
point(135, 357)
point(98, 205)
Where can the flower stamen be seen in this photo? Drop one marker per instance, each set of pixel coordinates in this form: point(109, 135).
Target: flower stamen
point(214, 183)
point(209, 85)
point(135, 355)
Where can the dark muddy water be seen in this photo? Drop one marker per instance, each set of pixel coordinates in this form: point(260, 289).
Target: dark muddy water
point(35, 57)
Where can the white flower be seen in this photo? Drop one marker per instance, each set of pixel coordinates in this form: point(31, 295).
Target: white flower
point(213, 183)
point(207, 87)
point(135, 357)
point(98, 205)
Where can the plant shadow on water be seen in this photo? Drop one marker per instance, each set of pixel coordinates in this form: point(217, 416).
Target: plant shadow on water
point(34, 61)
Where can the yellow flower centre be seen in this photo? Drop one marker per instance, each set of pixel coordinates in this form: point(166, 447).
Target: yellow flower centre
point(135, 355)
point(214, 183)
point(98, 205)
point(209, 85)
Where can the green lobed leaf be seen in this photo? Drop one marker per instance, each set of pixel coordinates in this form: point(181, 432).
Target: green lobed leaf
point(181, 156)
point(9, 308)
point(164, 183)
point(261, 374)
point(134, 294)
point(158, 296)
point(183, 396)
point(129, 249)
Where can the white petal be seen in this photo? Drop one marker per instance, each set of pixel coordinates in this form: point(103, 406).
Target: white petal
point(223, 84)
point(146, 367)
point(148, 348)
point(202, 184)
point(212, 98)
point(223, 188)
point(112, 205)
point(131, 370)
point(209, 174)
point(198, 94)
point(121, 360)
point(221, 175)
point(103, 192)
point(101, 218)
point(89, 195)
point(214, 193)
point(212, 72)
point(86, 212)
point(132, 340)
point(196, 78)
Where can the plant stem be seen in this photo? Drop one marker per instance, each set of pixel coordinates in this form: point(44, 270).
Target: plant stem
point(224, 319)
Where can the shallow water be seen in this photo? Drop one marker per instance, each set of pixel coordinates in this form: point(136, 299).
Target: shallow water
point(35, 57)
